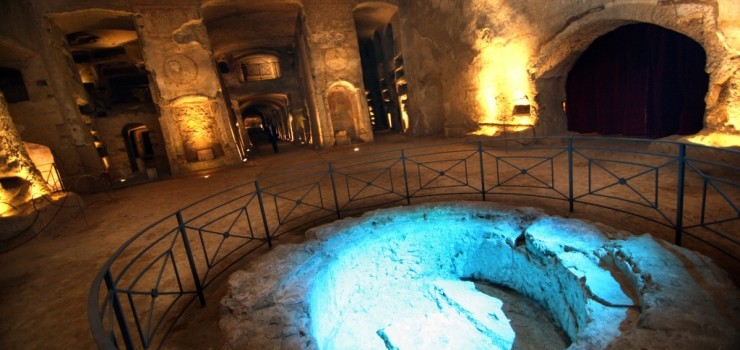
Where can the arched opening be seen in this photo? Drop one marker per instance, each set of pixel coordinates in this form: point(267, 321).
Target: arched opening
point(12, 85)
point(136, 138)
point(344, 110)
point(267, 123)
point(382, 66)
point(639, 80)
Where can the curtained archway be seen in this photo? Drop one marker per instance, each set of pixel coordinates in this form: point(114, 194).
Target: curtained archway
point(638, 80)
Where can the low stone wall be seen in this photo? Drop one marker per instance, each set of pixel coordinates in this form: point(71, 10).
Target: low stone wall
point(396, 278)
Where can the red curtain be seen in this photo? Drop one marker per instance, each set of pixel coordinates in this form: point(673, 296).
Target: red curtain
point(639, 80)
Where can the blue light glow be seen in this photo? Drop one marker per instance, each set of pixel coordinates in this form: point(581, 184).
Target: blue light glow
point(396, 281)
point(400, 279)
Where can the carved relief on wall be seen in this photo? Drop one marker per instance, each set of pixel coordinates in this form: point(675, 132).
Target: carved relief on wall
point(195, 122)
point(336, 58)
point(180, 69)
point(343, 112)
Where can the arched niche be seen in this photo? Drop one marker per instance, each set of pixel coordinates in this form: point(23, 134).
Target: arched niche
point(272, 109)
point(138, 143)
point(194, 117)
point(344, 111)
point(12, 85)
point(260, 66)
point(640, 80)
point(556, 57)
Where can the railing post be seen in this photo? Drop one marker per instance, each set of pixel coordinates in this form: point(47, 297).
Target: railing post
point(334, 191)
point(570, 173)
point(679, 192)
point(405, 176)
point(59, 177)
point(482, 172)
point(268, 237)
point(191, 260)
point(116, 303)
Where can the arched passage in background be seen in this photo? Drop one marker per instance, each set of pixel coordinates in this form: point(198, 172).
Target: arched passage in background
point(344, 109)
point(382, 66)
point(258, 113)
point(138, 142)
point(639, 80)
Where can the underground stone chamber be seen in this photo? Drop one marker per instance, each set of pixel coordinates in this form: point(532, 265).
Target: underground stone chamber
point(410, 278)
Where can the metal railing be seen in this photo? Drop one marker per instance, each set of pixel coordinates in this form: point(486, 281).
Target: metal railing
point(145, 287)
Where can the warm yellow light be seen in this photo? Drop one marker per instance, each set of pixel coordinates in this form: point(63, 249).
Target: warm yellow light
point(503, 83)
point(106, 163)
point(716, 139)
point(195, 119)
point(6, 210)
point(404, 113)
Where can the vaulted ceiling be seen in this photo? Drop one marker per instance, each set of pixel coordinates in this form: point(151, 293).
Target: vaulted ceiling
point(235, 27)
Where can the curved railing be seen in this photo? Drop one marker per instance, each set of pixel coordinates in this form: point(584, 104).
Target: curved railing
point(685, 192)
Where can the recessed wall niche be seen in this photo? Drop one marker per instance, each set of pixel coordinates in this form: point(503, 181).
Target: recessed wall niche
point(195, 120)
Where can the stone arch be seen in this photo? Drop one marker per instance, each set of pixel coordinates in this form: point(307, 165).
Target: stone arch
point(559, 53)
point(373, 20)
point(342, 100)
point(138, 144)
point(640, 80)
point(272, 109)
point(194, 118)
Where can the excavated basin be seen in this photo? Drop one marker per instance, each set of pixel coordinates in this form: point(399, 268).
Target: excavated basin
point(402, 278)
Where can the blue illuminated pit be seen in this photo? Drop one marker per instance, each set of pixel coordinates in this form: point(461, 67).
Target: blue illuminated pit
point(400, 279)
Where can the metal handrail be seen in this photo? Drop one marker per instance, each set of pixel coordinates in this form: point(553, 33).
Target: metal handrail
point(148, 283)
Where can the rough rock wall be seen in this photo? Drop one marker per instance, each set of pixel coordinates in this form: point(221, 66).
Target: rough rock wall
point(454, 43)
point(726, 116)
point(51, 116)
point(20, 181)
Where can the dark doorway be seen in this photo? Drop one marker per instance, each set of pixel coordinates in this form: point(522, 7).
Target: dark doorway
point(139, 147)
point(385, 84)
point(266, 123)
point(639, 80)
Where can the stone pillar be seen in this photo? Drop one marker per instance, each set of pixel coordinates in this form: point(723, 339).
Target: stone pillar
point(52, 116)
point(194, 115)
point(20, 181)
point(334, 54)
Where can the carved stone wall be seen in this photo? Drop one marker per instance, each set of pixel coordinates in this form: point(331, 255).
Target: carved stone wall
point(536, 43)
point(342, 103)
point(194, 116)
point(334, 53)
point(20, 181)
point(195, 125)
point(51, 116)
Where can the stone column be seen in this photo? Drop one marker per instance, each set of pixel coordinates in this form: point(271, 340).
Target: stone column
point(334, 54)
point(20, 181)
point(194, 115)
point(52, 116)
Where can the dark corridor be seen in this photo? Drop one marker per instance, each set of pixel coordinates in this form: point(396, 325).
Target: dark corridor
point(638, 80)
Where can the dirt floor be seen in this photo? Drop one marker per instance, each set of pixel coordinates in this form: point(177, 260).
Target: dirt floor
point(45, 281)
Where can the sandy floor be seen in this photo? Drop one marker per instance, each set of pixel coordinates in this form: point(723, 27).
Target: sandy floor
point(44, 283)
